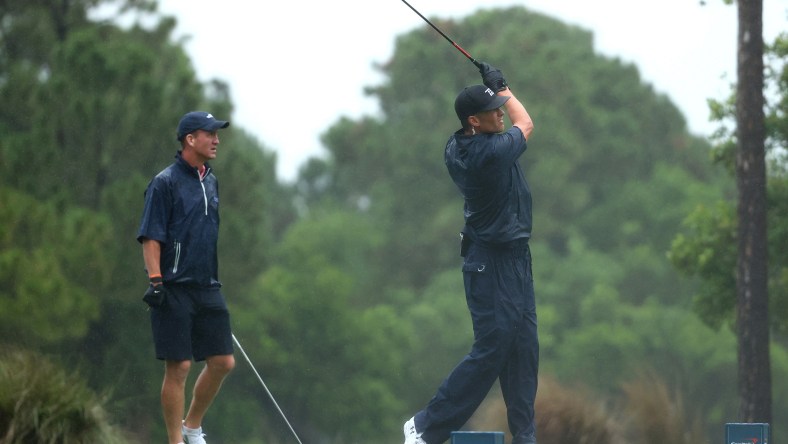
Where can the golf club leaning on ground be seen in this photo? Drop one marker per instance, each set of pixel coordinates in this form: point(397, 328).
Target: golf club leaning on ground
point(266, 388)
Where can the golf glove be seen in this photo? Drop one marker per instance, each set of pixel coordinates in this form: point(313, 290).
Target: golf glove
point(155, 295)
point(492, 77)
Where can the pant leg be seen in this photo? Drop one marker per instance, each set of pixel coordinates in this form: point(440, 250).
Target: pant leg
point(518, 377)
point(467, 385)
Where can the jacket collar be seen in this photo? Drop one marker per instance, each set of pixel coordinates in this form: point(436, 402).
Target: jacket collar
point(192, 170)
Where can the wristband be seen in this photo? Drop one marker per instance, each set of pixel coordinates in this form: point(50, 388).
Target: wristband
point(156, 279)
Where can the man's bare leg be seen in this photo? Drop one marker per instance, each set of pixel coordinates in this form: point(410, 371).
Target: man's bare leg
point(173, 395)
point(207, 386)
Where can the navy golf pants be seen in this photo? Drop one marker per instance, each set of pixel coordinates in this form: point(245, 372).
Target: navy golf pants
point(500, 294)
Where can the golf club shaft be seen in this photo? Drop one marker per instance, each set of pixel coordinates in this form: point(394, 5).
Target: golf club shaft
point(464, 52)
point(266, 388)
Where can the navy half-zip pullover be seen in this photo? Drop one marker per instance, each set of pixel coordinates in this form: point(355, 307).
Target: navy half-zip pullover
point(182, 213)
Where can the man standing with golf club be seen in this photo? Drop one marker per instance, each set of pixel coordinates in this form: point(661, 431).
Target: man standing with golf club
point(179, 232)
point(482, 159)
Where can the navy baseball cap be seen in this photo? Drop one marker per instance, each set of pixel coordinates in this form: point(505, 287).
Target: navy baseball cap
point(475, 99)
point(199, 120)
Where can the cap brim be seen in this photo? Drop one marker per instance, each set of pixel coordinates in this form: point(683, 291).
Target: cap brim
point(215, 125)
point(496, 103)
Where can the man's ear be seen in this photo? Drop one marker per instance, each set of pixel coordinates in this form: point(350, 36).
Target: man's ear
point(473, 120)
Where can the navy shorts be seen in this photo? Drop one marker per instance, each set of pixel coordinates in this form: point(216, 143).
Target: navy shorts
point(191, 323)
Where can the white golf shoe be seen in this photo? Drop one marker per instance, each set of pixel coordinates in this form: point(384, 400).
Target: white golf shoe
point(411, 435)
point(193, 436)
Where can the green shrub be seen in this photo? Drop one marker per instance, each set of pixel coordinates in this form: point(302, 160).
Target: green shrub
point(41, 403)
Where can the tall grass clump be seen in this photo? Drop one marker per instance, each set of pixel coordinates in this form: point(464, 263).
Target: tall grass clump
point(41, 403)
point(656, 417)
point(563, 416)
point(647, 412)
point(574, 416)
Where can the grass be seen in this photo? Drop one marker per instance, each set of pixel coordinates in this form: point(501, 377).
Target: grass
point(41, 403)
point(657, 416)
point(646, 413)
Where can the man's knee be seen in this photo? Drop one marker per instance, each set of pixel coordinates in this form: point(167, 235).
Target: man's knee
point(221, 364)
point(177, 371)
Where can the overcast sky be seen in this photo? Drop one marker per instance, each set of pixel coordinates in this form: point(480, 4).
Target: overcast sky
point(295, 67)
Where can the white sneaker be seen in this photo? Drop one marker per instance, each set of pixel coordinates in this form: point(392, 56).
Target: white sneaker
point(193, 436)
point(411, 435)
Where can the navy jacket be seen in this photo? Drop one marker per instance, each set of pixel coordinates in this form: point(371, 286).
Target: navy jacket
point(182, 213)
point(486, 170)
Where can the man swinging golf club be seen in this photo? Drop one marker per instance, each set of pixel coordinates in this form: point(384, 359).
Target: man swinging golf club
point(482, 159)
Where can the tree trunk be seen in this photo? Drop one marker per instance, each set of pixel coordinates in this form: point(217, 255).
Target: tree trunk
point(751, 271)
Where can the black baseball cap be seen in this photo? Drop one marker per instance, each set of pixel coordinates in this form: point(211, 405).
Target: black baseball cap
point(475, 99)
point(199, 120)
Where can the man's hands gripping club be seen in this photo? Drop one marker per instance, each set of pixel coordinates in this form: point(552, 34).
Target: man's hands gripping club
point(492, 77)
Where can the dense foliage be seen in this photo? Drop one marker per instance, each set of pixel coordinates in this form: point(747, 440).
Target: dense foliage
point(345, 287)
point(708, 248)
